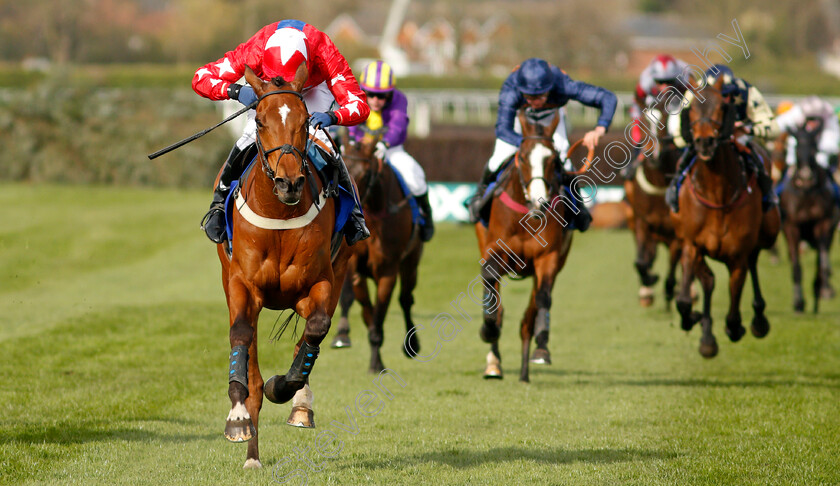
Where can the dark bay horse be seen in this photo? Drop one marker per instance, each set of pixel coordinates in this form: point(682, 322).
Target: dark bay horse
point(651, 220)
point(720, 217)
point(810, 214)
point(392, 251)
point(280, 260)
point(528, 196)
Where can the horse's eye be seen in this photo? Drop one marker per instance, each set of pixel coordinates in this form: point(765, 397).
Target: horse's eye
point(259, 122)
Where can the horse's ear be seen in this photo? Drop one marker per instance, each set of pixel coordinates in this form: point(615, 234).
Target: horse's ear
point(254, 80)
point(719, 83)
point(301, 75)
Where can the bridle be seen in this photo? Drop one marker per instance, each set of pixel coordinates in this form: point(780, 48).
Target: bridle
point(285, 148)
point(552, 185)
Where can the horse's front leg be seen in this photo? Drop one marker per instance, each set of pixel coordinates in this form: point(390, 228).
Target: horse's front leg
point(546, 272)
point(243, 376)
point(281, 389)
point(760, 325)
point(690, 256)
point(708, 343)
point(384, 289)
point(491, 329)
point(737, 275)
point(408, 281)
point(792, 239)
point(823, 288)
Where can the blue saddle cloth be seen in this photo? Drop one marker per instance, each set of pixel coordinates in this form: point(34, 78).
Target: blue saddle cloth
point(416, 217)
point(344, 203)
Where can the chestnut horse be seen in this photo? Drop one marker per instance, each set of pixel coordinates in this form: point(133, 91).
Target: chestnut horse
point(810, 214)
point(282, 231)
point(720, 217)
point(393, 250)
point(651, 219)
point(526, 192)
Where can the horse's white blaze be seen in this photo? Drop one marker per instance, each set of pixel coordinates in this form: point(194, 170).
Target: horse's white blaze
point(284, 112)
point(537, 189)
point(238, 412)
point(303, 398)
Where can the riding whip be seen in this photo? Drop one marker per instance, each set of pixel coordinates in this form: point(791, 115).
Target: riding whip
point(201, 133)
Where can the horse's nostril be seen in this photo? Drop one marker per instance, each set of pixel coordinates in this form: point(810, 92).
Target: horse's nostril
point(299, 183)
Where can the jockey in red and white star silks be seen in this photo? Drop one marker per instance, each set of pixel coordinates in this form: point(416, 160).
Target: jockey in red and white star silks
point(276, 50)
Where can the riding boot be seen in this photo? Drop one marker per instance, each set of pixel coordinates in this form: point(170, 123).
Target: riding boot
point(765, 184)
point(428, 228)
point(355, 229)
point(475, 204)
point(672, 195)
point(213, 223)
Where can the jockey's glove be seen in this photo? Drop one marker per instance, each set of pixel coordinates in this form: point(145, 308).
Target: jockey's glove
point(381, 147)
point(243, 94)
point(323, 120)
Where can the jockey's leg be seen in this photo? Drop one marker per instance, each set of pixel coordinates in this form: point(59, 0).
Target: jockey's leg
point(765, 182)
point(672, 194)
point(501, 152)
point(415, 179)
point(213, 223)
point(355, 229)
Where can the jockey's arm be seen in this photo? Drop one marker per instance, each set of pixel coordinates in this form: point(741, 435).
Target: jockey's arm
point(761, 116)
point(353, 108)
point(596, 97)
point(829, 144)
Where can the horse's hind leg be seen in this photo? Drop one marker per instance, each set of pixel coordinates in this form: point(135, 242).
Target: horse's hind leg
point(491, 328)
point(737, 275)
point(708, 343)
point(254, 403)
point(526, 331)
point(645, 255)
point(408, 281)
point(342, 334)
point(760, 325)
point(674, 252)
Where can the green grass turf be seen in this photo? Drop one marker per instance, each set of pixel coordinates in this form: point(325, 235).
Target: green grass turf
point(114, 354)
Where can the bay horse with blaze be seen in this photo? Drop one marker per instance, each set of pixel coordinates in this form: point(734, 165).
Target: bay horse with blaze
point(280, 259)
point(720, 217)
point(527, 190)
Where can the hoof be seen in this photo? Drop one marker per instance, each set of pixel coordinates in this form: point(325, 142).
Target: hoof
point(735, 333)
point(252, 464)
point(646, 296)
point(493, 372)
point(240, 430)
point(827, 293)
point(799, 306)
point(646, 301)
point(411, 346)
point(341, 341)
point(301, 417)
point(278, 390)
point(541, 356)
point(693, 319)
point(760, 326)
point(709, 349)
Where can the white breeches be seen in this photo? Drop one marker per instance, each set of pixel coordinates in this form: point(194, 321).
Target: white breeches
point(503, 150)
point(409, 169)
point(317, 98)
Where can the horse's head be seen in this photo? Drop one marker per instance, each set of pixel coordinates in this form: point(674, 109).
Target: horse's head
point(805, 175)
point(537, 158)
point(361, 159)
point(710, 121)
point(282, 130)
